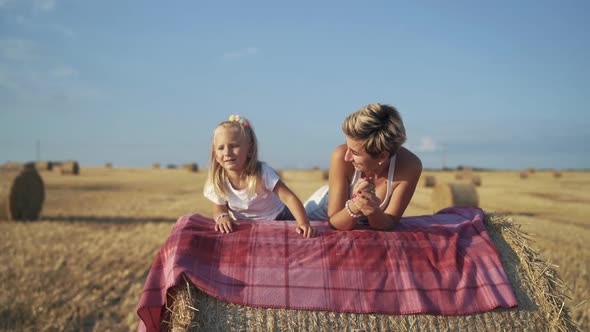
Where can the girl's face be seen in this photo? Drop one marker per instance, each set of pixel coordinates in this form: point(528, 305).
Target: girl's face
point(231, 148)
point(360, 159)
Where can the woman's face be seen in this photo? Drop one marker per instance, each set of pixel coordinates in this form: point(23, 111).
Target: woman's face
point(360, 159)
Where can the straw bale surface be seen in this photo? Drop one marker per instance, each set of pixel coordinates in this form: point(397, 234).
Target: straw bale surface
point(21, 193)
point(540, 295)
point(454, 194)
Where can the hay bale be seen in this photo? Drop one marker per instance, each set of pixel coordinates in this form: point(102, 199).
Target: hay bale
point(302, 174)
point(539, 292)
point(556, 174)
point(531, 170)
point(156, 165)
point(459, 176)
point(171, 166)
point(191, 167)
point(524, 175)
point(476, 180)
point(70, 167)
point(325, 175)
point(428, 181)
point(44, 165)
point(21, 193)
point(453, 194)
point(108, 165)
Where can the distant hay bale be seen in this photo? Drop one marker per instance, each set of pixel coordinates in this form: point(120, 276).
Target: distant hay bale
point(538, 290)
point(476, 180)
point(524, 175)
point(70, 167)
point(454, 194)
point(44, 165)
point(459, 176)
point(325, 175)
point(302, 174)
point(108, 165)
point(556, 174)
point(531, 170)
point(191, 167)
point(22, 192)
point(156, 166)
point(171, 166)
point(428, 181)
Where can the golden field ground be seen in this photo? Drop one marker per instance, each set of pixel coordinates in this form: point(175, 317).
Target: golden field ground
point(83, 265)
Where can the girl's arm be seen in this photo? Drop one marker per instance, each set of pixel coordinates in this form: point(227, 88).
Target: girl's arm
point(223, 220)
point(296, 207)
point(339, 182)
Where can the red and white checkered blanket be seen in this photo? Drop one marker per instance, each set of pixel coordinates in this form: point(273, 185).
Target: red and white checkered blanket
point(440, 264)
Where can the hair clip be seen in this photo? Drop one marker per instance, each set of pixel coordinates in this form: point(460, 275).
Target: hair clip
point(240, 119)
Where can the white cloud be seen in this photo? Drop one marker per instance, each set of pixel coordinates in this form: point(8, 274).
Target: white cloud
point(27, 23)
point(44, 5)
point(427, 144)
point(36, 5)
point(242, 53)
point(6, 3)
point(17, 49)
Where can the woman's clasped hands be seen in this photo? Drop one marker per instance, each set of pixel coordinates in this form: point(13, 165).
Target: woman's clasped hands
point(364, 198)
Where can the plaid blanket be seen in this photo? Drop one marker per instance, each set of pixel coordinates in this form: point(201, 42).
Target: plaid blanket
point(440, 264)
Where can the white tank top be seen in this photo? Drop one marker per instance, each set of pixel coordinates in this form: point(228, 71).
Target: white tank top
point(390, 173)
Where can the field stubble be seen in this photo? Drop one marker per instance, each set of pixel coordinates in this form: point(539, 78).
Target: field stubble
point(82, 267)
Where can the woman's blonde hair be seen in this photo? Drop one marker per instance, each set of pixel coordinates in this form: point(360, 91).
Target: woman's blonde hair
point(379, 127)
point(253, 171)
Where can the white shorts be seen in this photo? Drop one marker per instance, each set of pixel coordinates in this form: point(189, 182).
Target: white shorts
point(316, 206)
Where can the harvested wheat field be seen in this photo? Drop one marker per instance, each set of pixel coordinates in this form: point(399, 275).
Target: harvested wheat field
point(83, 265)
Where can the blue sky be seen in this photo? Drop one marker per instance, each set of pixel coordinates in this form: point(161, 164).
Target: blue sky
point(499, 84)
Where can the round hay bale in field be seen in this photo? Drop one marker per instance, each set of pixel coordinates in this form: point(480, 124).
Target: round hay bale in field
point(428, 181)
point(156, 165)
point(531, 170)
point(44, 165)
point(171, 166)
point(556, 174)
point(538, 290)
point(476, 180)
point(459, 176)
point(524, 175)
point(108, 165)
point(191, 167)
point(22, 193)
point(326, 175)
point(454, 194)
point(70, 167)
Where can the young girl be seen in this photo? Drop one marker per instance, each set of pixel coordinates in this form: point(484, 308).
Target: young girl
point(243, 188)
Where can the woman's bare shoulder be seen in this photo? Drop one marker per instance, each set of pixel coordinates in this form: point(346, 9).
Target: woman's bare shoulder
point(409, 162)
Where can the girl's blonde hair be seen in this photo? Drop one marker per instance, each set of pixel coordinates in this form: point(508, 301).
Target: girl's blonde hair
point(379, 127)
point(217, 175)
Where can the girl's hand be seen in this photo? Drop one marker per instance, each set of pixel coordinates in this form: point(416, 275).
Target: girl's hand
point(306, 230)
point(225, 224)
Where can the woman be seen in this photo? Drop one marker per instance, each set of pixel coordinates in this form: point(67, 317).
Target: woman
point(372, 177)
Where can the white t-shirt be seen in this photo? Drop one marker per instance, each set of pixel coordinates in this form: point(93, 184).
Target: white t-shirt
point(264, 205)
